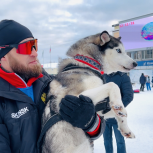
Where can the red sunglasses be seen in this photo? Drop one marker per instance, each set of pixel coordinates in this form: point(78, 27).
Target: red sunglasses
point(24, 48)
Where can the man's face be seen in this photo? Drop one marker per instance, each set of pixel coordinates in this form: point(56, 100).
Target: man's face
point(26, 66)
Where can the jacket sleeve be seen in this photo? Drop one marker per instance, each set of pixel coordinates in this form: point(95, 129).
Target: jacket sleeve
point(101, 129)
point(126, 90)
point(4, 137)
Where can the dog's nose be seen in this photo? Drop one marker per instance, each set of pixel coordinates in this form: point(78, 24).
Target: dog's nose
point(134, 64)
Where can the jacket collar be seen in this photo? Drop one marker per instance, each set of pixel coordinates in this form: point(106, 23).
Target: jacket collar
point(9, 91)
point(16, 81)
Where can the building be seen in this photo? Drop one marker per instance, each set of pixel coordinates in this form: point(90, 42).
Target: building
point(137, 37)
point(51, 68)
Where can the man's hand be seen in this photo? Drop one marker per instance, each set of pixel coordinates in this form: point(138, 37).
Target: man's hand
point(103, 106)
point(80, 112)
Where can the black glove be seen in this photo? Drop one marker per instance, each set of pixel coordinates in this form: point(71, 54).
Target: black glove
point(103, 106)
point(80, 112)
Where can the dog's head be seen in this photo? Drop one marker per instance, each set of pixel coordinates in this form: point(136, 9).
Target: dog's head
point(114, 55)
point(106, 49)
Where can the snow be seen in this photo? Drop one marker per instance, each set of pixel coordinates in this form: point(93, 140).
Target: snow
point(140, 121)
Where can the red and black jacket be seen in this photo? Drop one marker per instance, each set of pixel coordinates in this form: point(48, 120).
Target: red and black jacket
point(20, 117)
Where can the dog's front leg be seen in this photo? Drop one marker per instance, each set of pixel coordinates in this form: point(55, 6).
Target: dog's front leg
point(110, 90)
point(118, 111)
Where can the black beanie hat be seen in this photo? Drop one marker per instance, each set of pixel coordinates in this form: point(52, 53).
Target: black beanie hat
point(12, 32)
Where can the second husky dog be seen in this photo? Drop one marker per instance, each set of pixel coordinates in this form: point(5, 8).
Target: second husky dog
point(81, 75)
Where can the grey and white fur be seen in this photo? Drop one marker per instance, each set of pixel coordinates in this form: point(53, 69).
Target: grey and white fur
point(110, 53)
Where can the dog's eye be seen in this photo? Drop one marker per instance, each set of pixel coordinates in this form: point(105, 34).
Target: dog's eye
point(118, 50)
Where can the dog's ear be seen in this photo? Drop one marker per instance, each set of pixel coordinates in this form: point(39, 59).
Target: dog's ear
point(104, 36)
point(119, 38)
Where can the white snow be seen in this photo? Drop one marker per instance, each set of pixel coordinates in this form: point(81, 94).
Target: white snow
point(140, 121)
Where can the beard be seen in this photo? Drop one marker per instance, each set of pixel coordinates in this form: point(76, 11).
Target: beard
point(25, 72)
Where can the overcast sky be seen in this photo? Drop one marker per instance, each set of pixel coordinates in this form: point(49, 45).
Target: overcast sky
point(60, 23)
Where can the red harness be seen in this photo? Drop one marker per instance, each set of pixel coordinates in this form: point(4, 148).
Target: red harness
point(89, 61)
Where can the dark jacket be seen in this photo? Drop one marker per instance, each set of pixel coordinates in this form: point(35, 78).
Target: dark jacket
point(20, 117)
point(124, 83)
point(152, 80)
point(142, 79)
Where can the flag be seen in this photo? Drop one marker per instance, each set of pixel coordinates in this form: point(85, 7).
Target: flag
point(50, 50)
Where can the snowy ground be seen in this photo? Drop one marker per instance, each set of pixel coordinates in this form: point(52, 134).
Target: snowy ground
point(140, 121)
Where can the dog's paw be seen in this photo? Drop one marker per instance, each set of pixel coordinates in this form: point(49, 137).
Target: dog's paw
point(125, 131)
point(118, 107)
point(122, 114)
point(119, 111)
point(128, 135)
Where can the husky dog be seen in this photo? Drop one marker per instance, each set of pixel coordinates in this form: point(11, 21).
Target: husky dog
point(83, 79)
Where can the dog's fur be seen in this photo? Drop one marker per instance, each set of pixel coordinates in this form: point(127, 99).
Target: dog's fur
point(63, 137)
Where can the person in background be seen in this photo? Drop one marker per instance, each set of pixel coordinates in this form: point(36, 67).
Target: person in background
point(152, 81)
point(148, 83)
point(23, 88)
point(124, 83)
point(142, 81)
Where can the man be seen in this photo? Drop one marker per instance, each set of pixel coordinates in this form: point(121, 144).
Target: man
point(124, 83)
point(142, 82)
point(23, 88)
